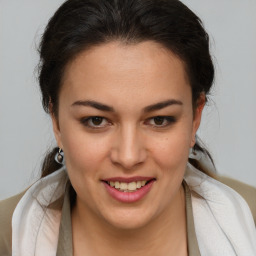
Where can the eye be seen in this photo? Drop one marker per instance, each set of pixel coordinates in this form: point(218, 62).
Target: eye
point(95, 122)
point(161, 121)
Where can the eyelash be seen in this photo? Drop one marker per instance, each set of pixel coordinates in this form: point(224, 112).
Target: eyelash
point(168, 119)
point(85, 122)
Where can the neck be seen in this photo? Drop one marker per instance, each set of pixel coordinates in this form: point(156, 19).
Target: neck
point(164, 235)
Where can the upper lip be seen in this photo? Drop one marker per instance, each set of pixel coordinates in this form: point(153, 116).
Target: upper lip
point(129, 179)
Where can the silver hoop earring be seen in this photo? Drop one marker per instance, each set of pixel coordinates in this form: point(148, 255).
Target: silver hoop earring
point(59, 157)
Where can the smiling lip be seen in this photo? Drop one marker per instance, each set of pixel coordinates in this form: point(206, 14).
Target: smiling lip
point(129, 197)
point(130, 179)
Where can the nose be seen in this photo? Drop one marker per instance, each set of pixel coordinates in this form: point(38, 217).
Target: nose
point(128, 148)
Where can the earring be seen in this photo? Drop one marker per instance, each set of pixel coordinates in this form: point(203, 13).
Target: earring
point(59, 157)
point(194, 151)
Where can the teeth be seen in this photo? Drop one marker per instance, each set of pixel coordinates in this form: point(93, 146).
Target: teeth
point(138, 185)
point(132, 186)
point(123, 186)
point(127, 187)
point(117, 184)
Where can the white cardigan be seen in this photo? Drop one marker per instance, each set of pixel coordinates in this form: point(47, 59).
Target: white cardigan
point(223, 222)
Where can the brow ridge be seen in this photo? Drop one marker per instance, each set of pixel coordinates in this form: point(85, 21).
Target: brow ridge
point(161, 105)
point(94, 104)
point(103, 107)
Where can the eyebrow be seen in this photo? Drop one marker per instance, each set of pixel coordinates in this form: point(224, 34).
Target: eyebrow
point(93, 104)
point(106, 108)
point(161, 105)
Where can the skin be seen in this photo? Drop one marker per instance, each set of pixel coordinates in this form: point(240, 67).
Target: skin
point(127, 142)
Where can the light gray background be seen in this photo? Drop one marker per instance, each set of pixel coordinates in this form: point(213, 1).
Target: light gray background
point(229, 122)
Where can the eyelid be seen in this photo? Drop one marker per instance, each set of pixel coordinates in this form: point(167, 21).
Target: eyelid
point(84, 121)
point(170, 120)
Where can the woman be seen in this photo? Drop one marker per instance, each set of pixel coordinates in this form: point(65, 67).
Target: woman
point(125, 83)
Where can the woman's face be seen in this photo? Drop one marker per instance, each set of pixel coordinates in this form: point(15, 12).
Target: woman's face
point(126, 118)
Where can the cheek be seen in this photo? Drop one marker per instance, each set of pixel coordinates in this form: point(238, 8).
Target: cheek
point(84, 153)
point(171, 152)
point(85, 158)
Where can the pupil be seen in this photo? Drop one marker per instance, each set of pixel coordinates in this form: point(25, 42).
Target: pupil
point(97, 120)
point(158, 120)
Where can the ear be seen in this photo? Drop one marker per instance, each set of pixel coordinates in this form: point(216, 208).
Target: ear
point(56, 130)
point(197, 117)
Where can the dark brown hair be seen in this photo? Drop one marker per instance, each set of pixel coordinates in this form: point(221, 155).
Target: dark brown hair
point(80, 24)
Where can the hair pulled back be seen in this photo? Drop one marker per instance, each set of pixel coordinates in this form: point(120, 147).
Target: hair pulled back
point(81, 24)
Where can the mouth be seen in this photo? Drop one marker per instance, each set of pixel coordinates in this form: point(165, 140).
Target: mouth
point(129, 186)
point(128, 190)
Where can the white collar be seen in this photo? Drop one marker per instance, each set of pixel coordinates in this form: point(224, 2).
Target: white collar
point(223, 222)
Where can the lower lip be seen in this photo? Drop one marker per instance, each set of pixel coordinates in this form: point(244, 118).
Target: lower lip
point(129, 197)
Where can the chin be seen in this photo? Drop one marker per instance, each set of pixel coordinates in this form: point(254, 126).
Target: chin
point(129, 219)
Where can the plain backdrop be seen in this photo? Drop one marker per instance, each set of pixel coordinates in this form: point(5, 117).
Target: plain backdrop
point(229, 121)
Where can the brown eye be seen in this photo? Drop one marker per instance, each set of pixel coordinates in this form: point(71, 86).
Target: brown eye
point(159, 120)
point(96, 120)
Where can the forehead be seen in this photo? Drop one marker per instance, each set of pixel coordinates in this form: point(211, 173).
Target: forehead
point(116, 72)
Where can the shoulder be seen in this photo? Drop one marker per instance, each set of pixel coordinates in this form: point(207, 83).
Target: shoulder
point(223, 212)
point(246, 191)
point(220, 198)
point(7, 208)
